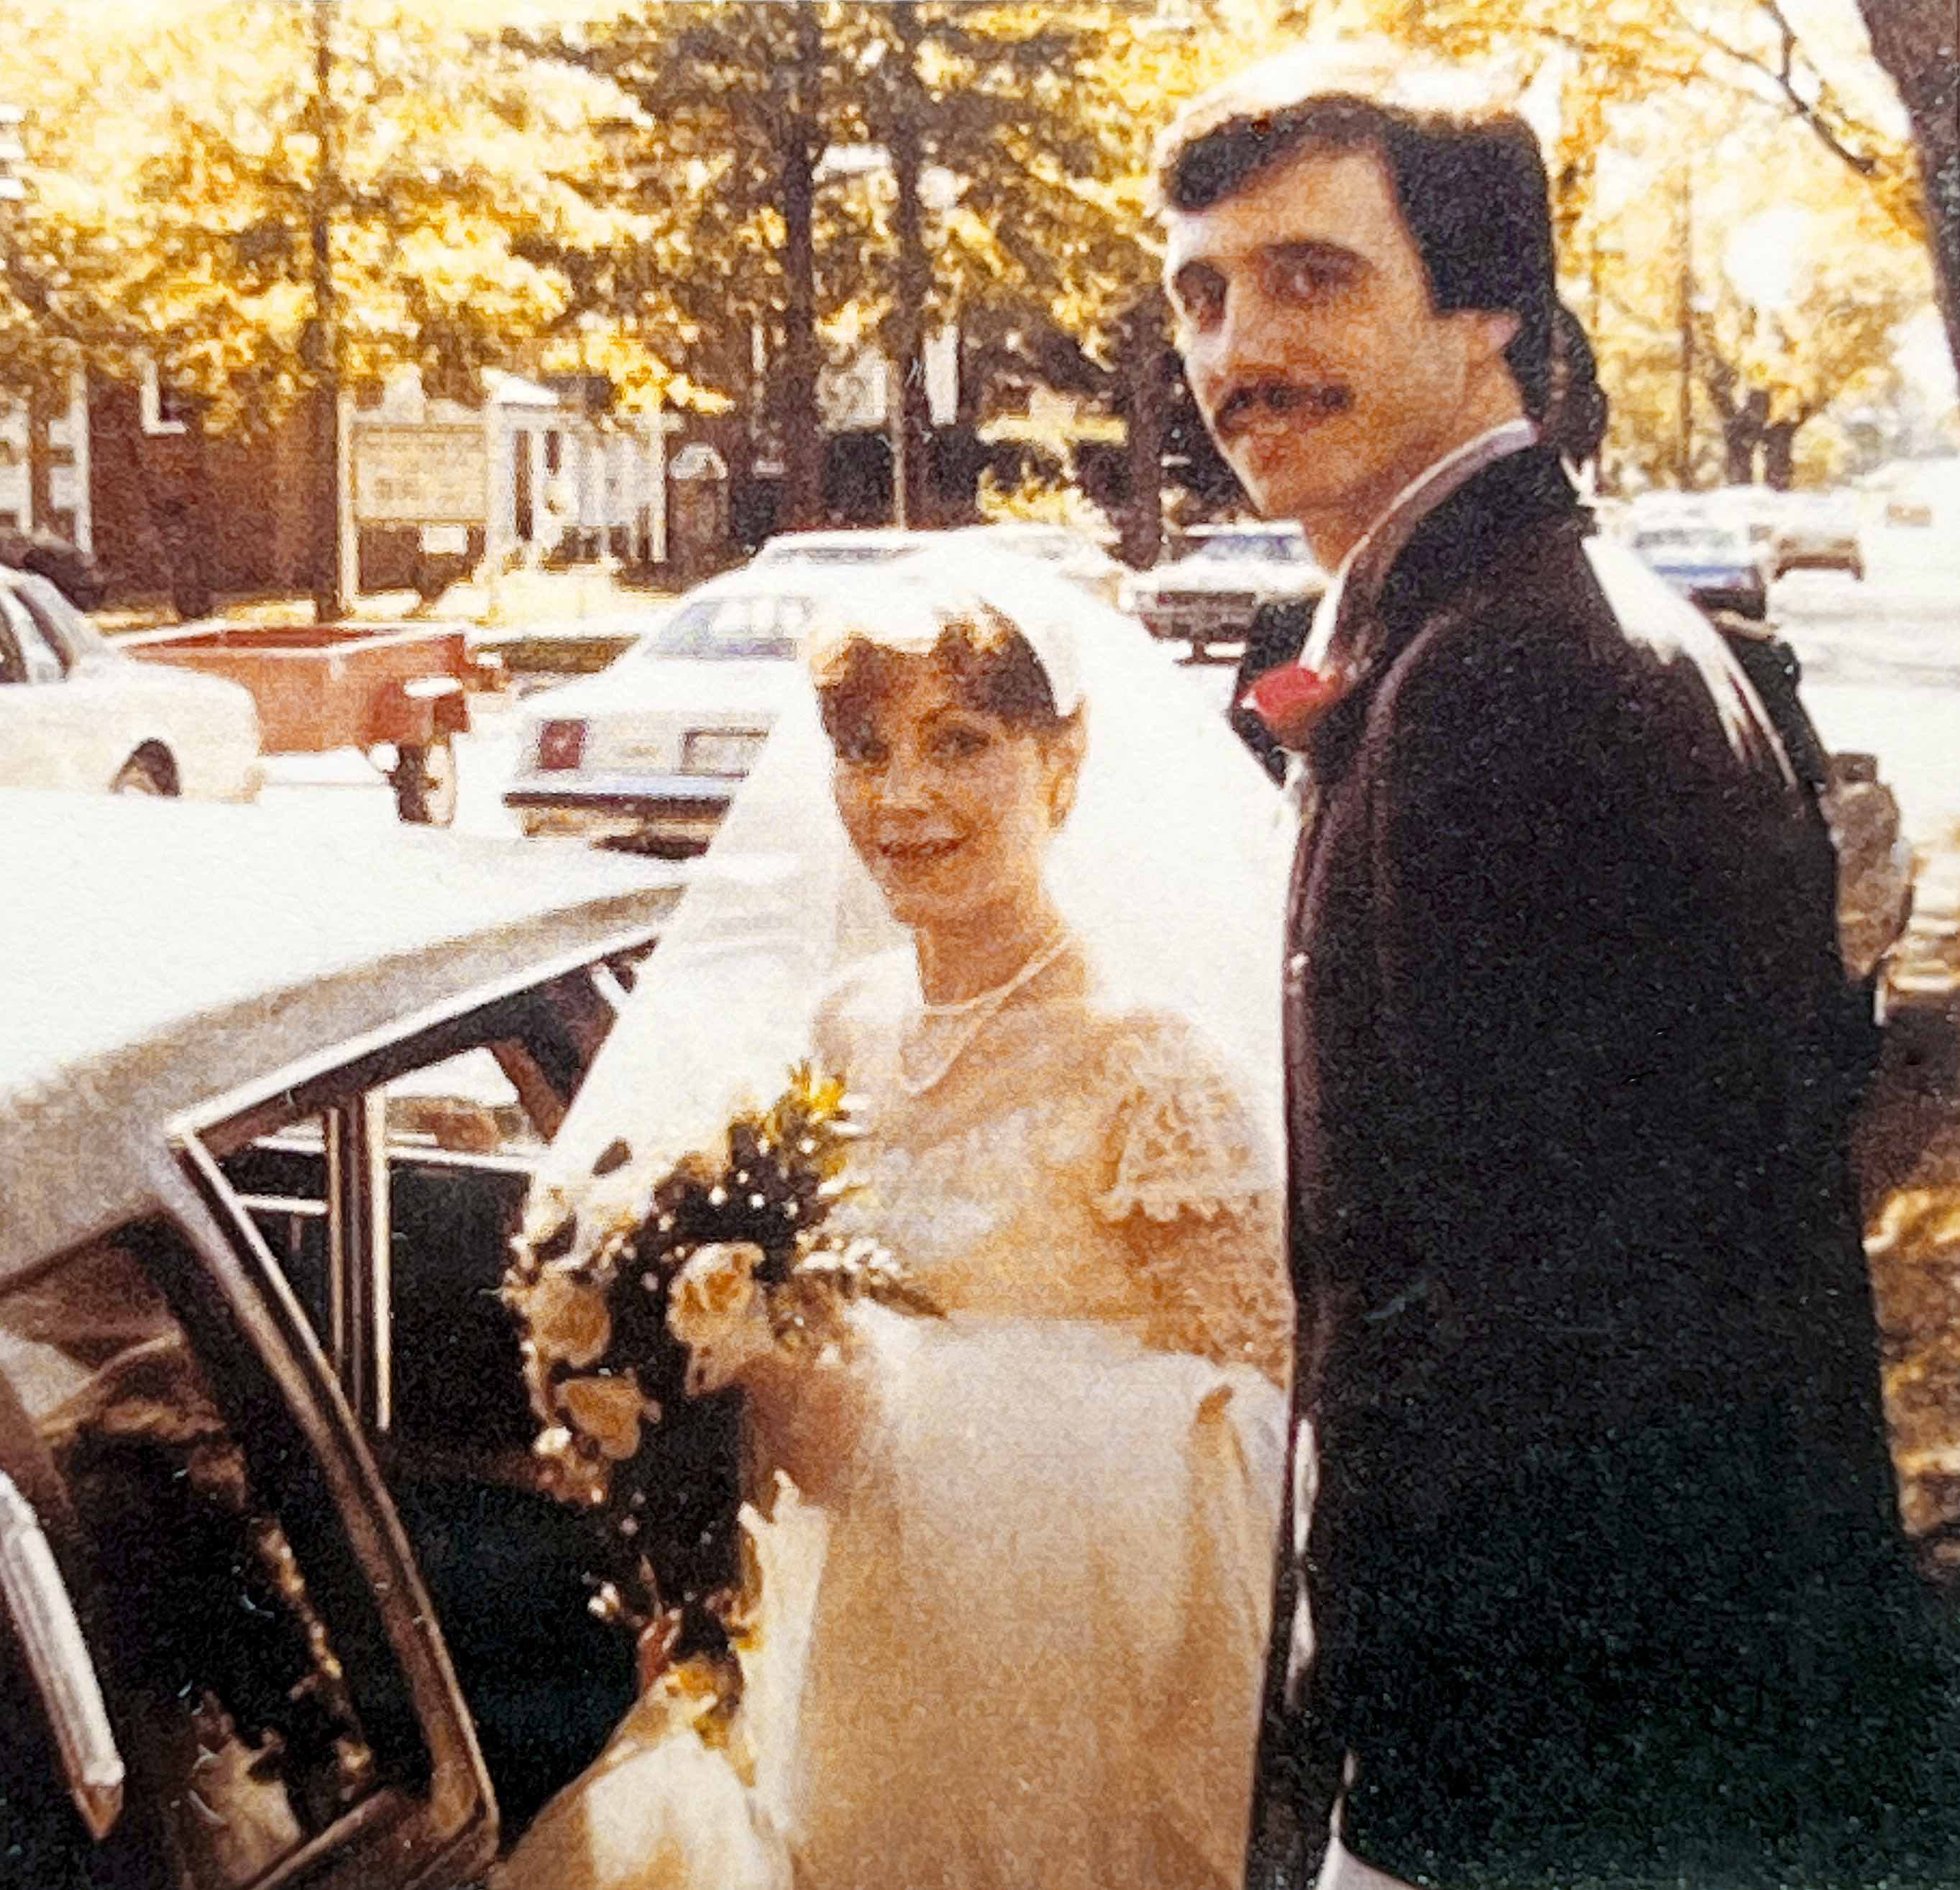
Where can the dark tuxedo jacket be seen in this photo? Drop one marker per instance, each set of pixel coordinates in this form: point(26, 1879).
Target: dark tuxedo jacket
point(1603, 1567)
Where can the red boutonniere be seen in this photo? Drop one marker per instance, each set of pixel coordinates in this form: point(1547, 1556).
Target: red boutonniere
point(1292, 701)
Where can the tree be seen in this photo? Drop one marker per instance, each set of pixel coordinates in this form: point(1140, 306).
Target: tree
point(1915, 41)
point(1000, 128)
point(715, 141)
point(1759, 283)
point(944, 160)
point(177, 175)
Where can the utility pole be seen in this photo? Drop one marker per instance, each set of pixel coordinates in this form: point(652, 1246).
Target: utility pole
point(320, 347)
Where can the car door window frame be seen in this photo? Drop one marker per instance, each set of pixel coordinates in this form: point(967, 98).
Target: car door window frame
point(543, 1027)
point(39, 659)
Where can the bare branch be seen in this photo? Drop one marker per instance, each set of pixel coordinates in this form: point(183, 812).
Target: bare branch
point(1783, 75)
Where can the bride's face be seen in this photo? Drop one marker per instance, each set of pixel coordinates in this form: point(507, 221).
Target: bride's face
point(950, 807)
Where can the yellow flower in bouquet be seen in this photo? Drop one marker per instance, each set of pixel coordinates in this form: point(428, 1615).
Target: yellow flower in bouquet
point(567, 1317)
point(608, 1410)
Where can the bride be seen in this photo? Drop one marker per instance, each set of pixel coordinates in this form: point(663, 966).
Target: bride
point(1015, 1578)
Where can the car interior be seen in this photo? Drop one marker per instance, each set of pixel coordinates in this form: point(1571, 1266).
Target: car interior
point(387, 1192)
point(211, 1588)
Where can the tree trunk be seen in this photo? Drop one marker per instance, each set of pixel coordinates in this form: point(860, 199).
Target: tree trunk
point(1915, 42)
point(1780, 453)
point(910, 488)
point(40, 462)
point(1742, 428)
point(801, 142)
point(1143, 366)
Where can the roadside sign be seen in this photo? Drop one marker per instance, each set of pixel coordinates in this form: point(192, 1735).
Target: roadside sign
point(420, 475)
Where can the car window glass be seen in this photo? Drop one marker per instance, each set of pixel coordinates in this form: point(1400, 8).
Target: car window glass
point(460, 1149)
point(34, 659)
point(67, 632)
point(731, 628)
point(683, 628)
point(790, 617)
point(13, 666)
point(463, 1105)
point(221, 1653)
point(1686, 538)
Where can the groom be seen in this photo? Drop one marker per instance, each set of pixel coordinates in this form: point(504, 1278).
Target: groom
point(1601, 1576)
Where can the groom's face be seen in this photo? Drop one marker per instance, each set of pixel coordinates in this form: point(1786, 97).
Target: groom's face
point(1324, 371)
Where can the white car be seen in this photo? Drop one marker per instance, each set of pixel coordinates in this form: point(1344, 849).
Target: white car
point(648, 753)
point(77, 712)
point(871, 545)
point(1074, 554)
point(1211, 594)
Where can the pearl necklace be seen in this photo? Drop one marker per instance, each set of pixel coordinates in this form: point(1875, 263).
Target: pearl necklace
point(967, 1018)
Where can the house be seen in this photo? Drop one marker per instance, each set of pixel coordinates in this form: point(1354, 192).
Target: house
point(537, 468)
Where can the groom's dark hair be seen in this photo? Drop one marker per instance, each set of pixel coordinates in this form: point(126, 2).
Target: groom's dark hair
point(1468, 176)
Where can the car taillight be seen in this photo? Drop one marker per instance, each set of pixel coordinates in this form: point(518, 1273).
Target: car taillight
point(560, 745)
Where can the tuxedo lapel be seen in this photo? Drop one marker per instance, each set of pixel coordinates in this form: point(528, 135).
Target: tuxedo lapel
point(1457, 543)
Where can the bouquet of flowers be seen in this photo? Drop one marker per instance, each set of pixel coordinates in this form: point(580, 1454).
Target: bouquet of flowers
point(638, 1316)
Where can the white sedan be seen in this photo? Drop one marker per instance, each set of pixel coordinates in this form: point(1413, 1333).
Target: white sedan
point(76, 713)
point(648, 753)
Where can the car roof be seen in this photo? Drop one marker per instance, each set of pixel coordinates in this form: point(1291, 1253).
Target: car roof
point(1702, 524)
point(159, 954)
point(901, 537)
point(1249, 528)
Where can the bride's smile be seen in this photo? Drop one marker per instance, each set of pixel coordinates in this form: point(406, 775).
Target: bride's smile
point(952, 772)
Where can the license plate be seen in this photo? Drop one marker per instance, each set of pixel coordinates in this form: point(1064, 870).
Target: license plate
point(729, 752)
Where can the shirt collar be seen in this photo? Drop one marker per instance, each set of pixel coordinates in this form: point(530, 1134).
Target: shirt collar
point(1361, 573)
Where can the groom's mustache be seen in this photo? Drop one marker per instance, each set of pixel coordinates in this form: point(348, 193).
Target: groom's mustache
point(1255, 400)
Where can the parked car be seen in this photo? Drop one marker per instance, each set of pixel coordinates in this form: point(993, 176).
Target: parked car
point(1074, 554)
point(1875, 860)
point(1707, 559)
point(1758, 510)
point(649, 752)
point(76, 711)
point(869, 546)
point(1816, 532)
point(280, 1598)
point(1209, 595)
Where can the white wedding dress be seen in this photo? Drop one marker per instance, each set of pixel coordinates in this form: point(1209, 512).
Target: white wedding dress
point(1015, 1583)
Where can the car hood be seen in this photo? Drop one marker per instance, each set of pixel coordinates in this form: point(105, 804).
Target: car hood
point(637, 684)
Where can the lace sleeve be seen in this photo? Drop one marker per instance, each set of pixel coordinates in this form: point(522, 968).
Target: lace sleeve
point(1197, 1199)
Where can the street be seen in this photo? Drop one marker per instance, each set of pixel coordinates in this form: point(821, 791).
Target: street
point(1881, 674)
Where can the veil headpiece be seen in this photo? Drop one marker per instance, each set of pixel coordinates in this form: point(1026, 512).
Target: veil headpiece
point(1171, 869)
